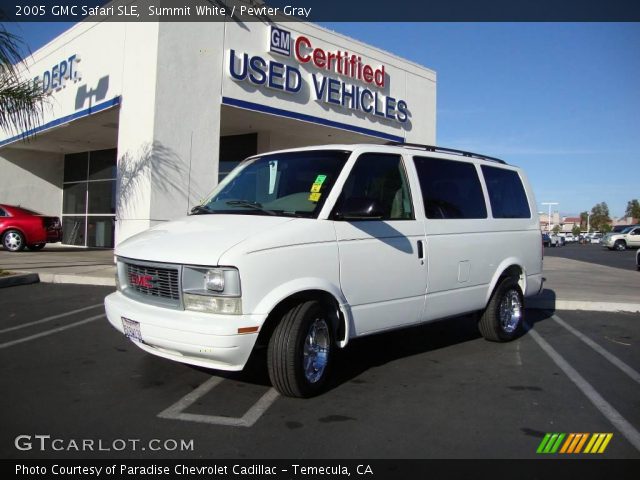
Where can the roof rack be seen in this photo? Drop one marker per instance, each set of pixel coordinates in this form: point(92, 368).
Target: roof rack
point(432, 148)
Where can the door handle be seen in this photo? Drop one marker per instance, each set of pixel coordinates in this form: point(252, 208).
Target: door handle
point(420, 249)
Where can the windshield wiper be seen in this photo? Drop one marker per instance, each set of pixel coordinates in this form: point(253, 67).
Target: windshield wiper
point(254, 205)
point(200, 209)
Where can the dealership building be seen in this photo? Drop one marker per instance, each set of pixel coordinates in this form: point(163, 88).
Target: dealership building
point(144, 119)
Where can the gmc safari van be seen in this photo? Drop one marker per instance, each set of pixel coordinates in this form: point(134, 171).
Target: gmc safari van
point(303, 250)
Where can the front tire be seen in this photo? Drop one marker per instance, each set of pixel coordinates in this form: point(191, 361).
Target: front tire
point(503, 319)
point(300, 350)
point(13, 241)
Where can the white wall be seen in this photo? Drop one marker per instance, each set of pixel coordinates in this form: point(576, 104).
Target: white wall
point(136, 129)
point(32, 180)
point(99, 48)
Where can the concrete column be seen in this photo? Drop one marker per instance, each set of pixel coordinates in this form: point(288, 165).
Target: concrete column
point(136, 129)
point(169, 130)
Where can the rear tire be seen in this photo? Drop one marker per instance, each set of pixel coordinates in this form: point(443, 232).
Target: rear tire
point(503, 319)
point(300, 350)
point(13, 241)
point(620, 245)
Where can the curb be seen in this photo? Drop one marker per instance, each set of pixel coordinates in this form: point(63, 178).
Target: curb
point(19, 279)
point(543, 304)
point(536, 304)
point(77, 279)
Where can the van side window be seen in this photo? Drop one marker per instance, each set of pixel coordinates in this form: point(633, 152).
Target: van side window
point(450, 189)
point(380, 177)
point(506, 193)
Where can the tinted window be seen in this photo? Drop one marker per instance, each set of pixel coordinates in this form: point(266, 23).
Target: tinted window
point(102, 164)
point(450, 189)
point(506, 193)
point(75, 167)
point(3, 213)
point(380, 177)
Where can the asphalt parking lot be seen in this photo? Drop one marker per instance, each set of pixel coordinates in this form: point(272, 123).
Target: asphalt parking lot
point(435, 391)
point(595, 253)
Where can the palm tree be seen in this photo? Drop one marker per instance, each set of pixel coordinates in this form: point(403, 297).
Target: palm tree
point(21, 102)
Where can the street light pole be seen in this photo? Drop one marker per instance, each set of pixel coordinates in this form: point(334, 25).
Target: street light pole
point(549, 217)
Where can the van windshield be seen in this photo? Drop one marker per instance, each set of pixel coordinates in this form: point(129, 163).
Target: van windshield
point(284, 184)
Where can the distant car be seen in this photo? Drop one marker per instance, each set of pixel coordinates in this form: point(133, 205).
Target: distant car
point(550, 240)
point(561, 241)
point(597, 238)
point(629, 237)
point(570, 238)
point(546, 240)
point(21, 227)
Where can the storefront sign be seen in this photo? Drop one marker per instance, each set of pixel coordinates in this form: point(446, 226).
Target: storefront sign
point(343, 78)
point(58, 75)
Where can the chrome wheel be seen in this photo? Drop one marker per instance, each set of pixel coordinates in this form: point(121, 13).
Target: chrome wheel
point(316, 350)
point(510, 311)
point(13, 241)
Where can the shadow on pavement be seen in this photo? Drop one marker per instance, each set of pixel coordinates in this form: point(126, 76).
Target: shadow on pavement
point(373, 351)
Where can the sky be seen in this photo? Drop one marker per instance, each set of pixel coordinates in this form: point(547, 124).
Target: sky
point(561, 100)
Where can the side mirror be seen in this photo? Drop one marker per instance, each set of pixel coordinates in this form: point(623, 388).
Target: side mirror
point(359, 208)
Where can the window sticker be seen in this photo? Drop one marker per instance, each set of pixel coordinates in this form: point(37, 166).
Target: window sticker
point(315, 188)
point(273, 173)
point(320, 179)
point(314, 197)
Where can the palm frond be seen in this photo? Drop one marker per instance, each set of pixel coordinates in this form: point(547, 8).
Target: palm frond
point(21, 102)
point(21, 105)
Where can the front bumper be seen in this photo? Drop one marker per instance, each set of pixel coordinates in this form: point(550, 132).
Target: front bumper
point(607, 242)
point(201, 339)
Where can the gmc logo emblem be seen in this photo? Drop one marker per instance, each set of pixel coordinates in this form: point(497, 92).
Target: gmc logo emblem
point(146, 281)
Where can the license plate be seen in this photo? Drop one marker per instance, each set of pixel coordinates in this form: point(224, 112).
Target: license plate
point(132, 329)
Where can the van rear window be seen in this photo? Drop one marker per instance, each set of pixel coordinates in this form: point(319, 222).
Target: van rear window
point(450, 189)
point(506, 193)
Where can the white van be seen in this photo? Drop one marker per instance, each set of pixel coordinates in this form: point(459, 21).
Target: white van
point(303, 250)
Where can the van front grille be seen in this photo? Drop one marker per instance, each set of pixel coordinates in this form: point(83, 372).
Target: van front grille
point(156, 283)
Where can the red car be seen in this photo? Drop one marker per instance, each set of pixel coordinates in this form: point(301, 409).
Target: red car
point(20, 227)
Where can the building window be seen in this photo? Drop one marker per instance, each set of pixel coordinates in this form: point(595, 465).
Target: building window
point(89, 198)
point(234, 149)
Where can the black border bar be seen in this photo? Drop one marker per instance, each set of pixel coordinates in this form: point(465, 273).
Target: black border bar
point(329, 10)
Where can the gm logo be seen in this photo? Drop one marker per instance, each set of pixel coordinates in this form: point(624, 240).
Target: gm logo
point(280, 41)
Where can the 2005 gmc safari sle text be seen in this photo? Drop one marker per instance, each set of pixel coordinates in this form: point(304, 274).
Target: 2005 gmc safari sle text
point(303, 250)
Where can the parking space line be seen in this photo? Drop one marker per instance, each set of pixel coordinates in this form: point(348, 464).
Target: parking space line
point(634, 375)
point(176, 411)
point(48, 319)
point(618, 421)
point(50, 332)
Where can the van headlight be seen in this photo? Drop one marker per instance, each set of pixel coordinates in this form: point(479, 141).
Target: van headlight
point(212, 289)
point(212, 304)
point(214, 280)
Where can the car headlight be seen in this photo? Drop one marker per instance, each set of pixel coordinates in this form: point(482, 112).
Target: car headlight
point(212, 289)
